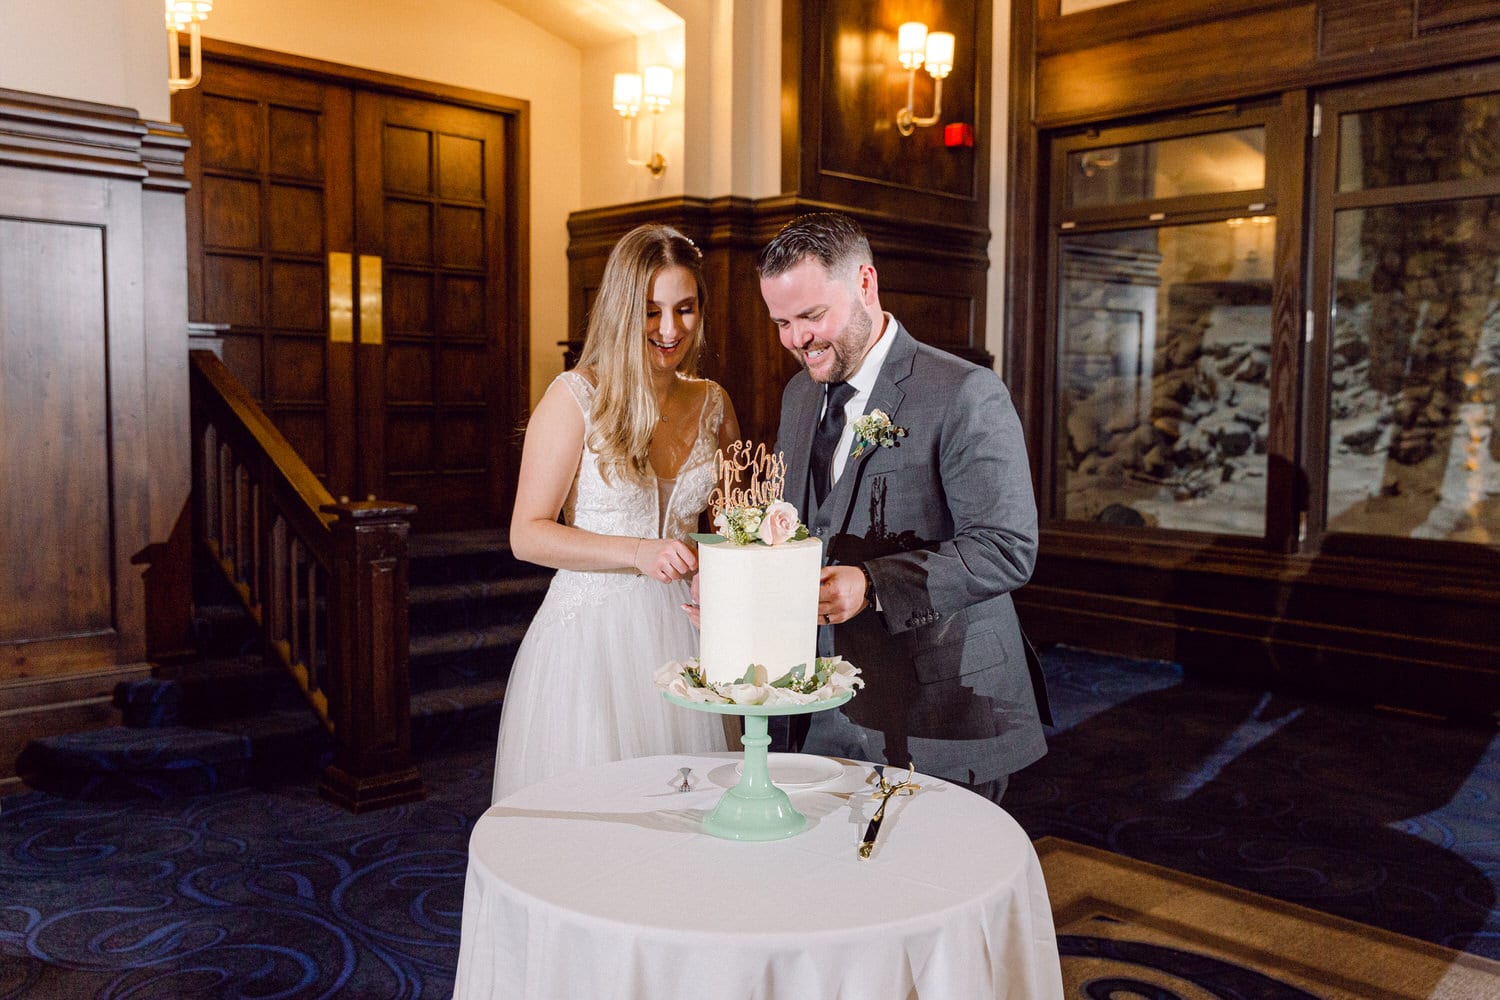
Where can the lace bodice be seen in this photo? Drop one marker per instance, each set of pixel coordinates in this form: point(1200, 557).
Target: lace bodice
point(631, 509)
point(628, 508)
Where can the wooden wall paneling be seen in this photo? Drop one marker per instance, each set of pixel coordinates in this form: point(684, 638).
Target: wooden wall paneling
point(847, 149)
point(1056, 32)
point(933, 279)
point(1026, 239)
point(168, 558)
point(1363, 25)
point(931, 276)
point(75, 408)
point(1286, 490)
point(1444, 15)
point(94, 457)
point(1152, 55)
point(1222, 61)
point(1339, 630)
point(57, 579)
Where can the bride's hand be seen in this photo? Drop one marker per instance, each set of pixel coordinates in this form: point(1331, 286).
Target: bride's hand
point(664, 559)
point(694, 612)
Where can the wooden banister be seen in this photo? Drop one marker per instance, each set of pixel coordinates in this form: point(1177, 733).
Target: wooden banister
point(326, 582)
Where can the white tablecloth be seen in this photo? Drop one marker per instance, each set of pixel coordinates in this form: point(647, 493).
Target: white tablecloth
point(599, 884)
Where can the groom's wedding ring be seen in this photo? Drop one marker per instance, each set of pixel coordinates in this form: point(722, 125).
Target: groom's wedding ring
point(826, 621)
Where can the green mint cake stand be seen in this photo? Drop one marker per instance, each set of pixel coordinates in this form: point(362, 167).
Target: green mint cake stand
point(755, 809)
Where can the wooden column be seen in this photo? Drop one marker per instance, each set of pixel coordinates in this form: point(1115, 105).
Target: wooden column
point(367, 659)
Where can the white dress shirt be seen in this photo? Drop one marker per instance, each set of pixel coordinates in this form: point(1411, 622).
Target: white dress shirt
point(863, 382)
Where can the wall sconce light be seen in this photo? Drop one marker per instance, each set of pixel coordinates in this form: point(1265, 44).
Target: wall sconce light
point(915, 45)
point(652, 89)
point(185, 14)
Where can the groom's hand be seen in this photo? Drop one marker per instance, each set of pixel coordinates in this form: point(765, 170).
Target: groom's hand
point(841, 594)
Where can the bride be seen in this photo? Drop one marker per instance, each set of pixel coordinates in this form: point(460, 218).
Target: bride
point(623, 447)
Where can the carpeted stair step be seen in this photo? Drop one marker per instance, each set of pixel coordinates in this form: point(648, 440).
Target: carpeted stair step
point(475, 604)
point(263, 750)
point(224, 630)
point(468, 656)
point(117, 763)
point(220, 689)
point(463, 556)
point(229, 719)
point(462, 717)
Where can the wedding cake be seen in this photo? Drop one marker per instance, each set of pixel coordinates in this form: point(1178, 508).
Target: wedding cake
point(759, 605)
point(758, 586)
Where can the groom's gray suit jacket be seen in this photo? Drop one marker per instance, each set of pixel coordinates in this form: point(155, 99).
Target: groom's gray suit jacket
point(945, 520)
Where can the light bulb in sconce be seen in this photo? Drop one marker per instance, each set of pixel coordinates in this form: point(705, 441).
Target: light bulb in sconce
point(911, 44)
point(628, 94)
point(916, 47)
point(185, 15)
point(657, 87)
point(940, 46)
point(650, 90)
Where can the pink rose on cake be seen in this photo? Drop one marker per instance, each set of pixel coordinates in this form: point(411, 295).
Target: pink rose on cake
point(779, 523)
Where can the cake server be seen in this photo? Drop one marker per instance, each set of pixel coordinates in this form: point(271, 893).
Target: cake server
point(884, 793)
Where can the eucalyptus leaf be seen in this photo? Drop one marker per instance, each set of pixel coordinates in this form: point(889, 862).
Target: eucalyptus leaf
point(703, 539)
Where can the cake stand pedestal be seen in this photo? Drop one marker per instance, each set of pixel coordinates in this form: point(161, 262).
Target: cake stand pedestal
point(755, 809)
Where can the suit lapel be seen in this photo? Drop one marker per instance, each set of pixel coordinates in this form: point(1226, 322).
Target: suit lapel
point(798, 444)
point(887, 395)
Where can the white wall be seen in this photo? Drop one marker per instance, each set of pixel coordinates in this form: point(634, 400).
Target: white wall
point(722, 135)
point(606, 179)
point(466, 43)
point(105, 51)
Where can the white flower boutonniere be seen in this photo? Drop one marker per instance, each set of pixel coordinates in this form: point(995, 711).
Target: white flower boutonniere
point(875, 429)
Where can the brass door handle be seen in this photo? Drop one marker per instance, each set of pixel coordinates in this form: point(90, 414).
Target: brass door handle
point(371, 300)
point(340, 298)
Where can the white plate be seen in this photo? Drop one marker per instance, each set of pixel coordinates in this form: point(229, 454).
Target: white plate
point(798, 770)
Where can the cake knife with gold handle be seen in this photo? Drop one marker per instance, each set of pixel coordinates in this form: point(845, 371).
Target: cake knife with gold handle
point(884, 794)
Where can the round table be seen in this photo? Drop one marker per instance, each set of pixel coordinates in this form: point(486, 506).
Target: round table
point(601, 884)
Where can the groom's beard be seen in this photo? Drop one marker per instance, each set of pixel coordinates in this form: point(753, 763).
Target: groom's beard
point(849, 347)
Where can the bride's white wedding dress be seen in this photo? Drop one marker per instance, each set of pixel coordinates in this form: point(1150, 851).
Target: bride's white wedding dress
point(581, 691)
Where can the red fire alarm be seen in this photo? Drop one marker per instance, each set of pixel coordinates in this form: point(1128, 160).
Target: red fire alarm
point(958, 134)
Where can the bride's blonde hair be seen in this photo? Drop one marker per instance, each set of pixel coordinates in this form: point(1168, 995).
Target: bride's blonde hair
point(614, 349)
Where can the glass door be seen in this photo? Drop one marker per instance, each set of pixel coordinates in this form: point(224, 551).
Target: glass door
point(1406, 360)
point(1163, 239)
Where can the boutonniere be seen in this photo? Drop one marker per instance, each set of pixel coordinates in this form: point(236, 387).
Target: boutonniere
point(873, 430)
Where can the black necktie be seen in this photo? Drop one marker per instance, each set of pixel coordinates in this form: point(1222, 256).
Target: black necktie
point(820, 465)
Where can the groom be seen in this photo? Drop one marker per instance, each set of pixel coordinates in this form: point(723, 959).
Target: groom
point(928, 521)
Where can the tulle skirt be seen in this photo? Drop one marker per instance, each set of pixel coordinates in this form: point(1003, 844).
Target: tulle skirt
point(581, 691)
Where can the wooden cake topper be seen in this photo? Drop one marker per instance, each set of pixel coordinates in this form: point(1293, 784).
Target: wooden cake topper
point(763, 473)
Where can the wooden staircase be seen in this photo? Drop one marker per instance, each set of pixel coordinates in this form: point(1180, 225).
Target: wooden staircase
point(228, 719)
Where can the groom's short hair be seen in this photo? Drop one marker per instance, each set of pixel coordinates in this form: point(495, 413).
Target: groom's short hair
point(833, 238)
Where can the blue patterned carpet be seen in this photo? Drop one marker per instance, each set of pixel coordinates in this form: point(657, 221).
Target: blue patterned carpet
point(1383, 819)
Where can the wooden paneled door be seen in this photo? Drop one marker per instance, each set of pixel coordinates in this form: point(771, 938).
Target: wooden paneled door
point(359, 246)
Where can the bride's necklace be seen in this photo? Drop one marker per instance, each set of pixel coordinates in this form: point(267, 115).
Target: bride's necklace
point(666, 401)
